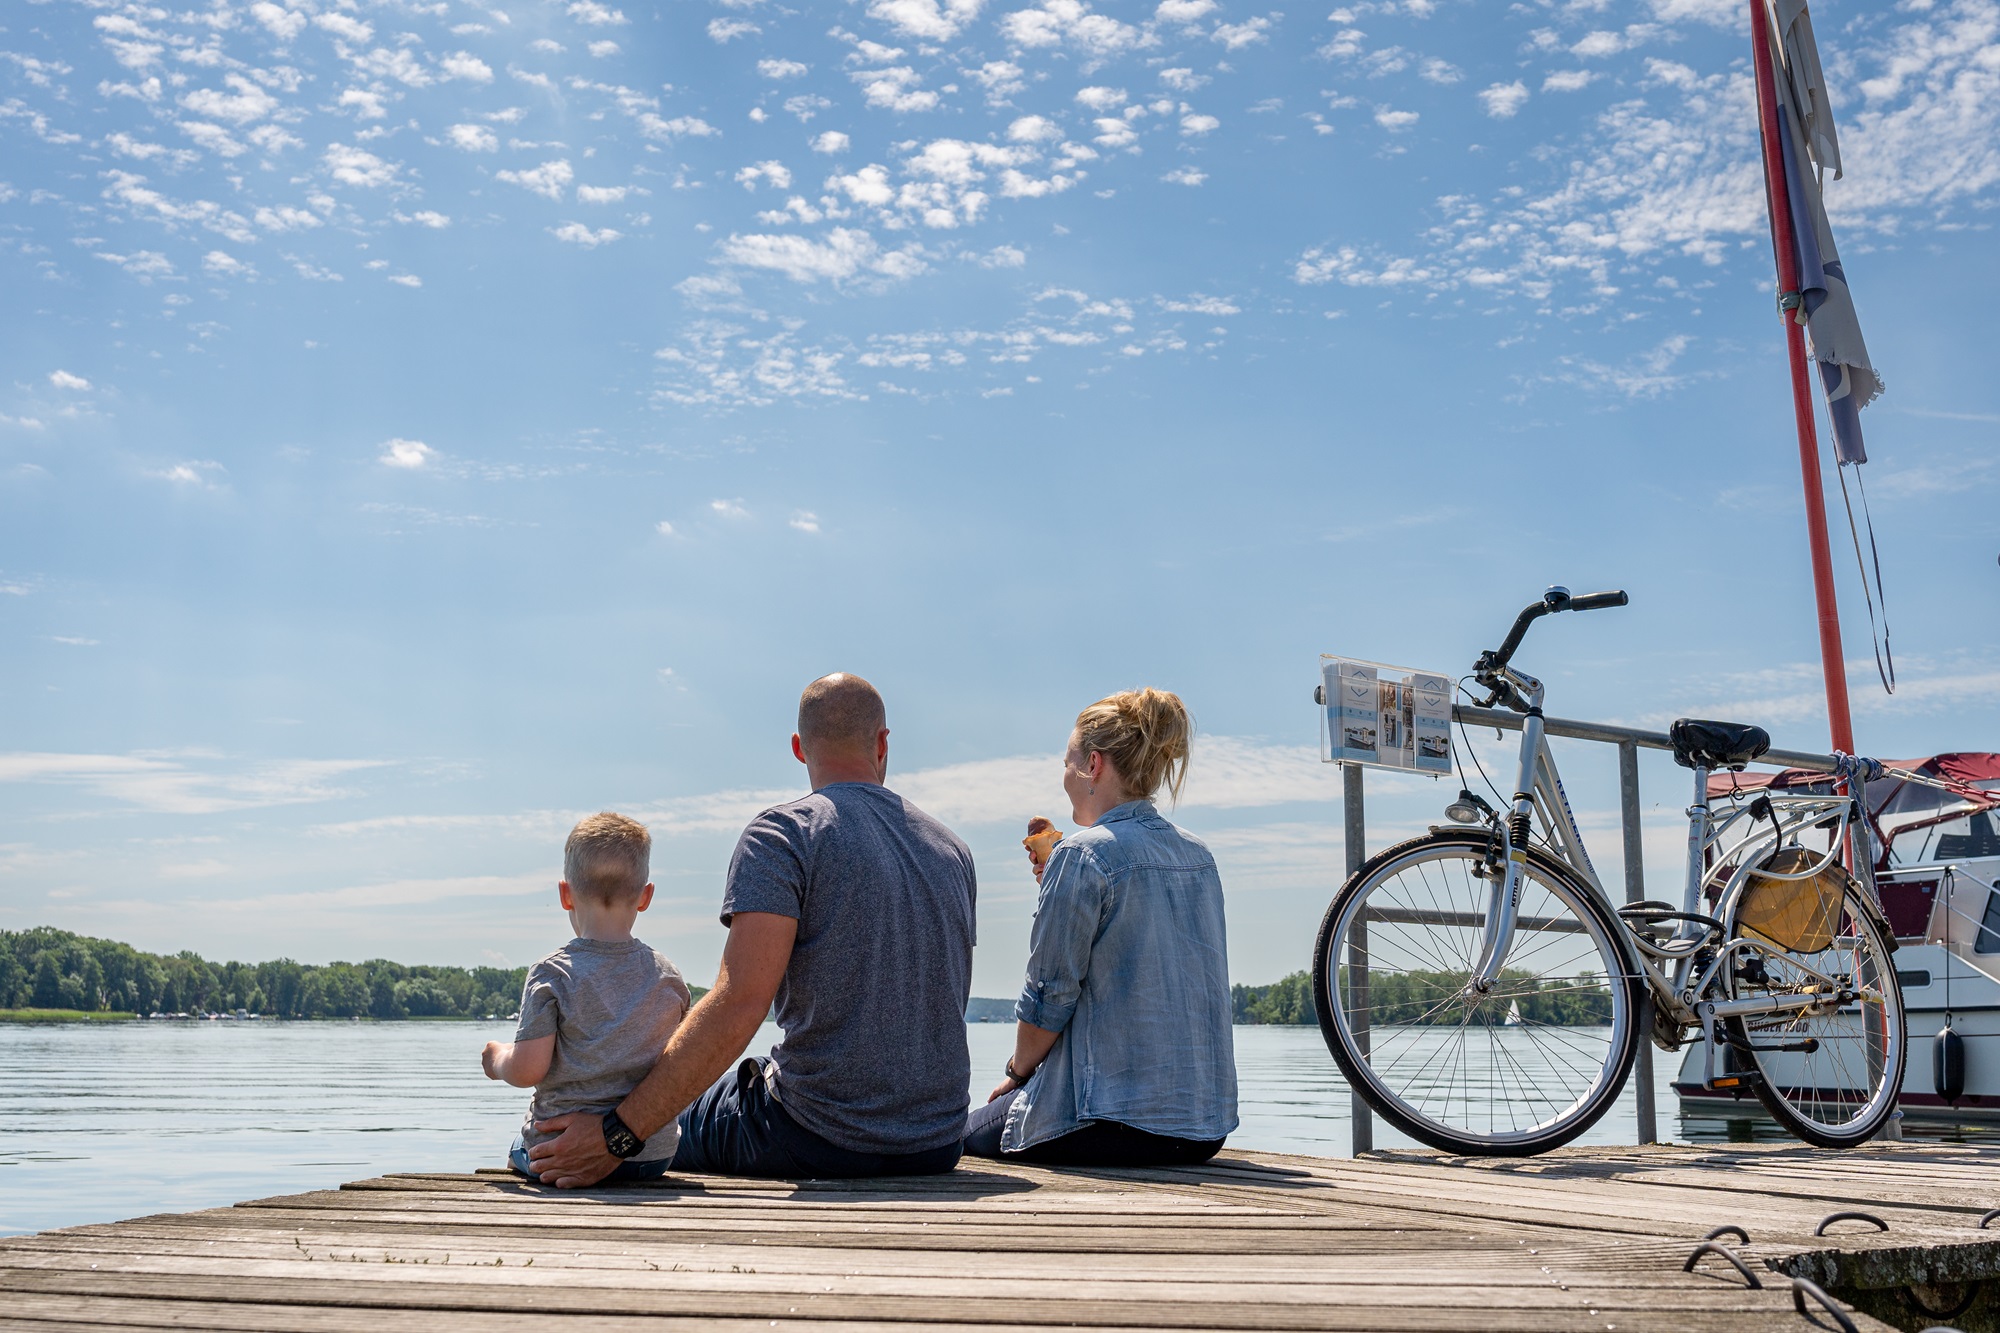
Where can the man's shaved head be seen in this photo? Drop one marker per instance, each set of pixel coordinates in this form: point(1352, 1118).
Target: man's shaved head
point(841, 712)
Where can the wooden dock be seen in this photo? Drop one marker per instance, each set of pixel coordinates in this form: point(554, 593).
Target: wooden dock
point(1590, 1239)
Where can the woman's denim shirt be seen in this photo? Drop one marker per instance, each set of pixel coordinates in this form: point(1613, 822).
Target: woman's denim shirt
point(1128, 963)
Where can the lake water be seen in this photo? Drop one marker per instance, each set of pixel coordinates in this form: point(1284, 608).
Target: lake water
point(107, 1121)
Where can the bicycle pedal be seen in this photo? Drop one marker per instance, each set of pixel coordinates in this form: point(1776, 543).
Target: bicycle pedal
point(1739, 1083)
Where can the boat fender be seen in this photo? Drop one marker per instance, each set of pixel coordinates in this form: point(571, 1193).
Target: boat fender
point(1948, 1064)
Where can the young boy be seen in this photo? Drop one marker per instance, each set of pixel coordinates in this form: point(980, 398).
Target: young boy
point(596, 1013)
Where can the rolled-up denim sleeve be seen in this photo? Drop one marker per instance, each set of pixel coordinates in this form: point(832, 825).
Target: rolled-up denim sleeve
point(1066, 922)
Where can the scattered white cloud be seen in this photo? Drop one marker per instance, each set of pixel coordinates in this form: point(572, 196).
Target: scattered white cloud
point(595, 15)
point(467, 67)
point(1033, 129)
point(728, 508)
point(243, 103)
point(1568, 80)
point(926, 20)
point(220, 264)
point(895, 89)
point(773, 173)
point(1193, 125)
point(62, 379)
point(1185, 176)
point(1390, 119)
point(1502, 100)
point(406, 454)
point(845, 253)
point(1070, 23)
point(550, 180)
point(724, 30)
point(358, 167)
point(602, 49)
point(805, 521)
point(1236, 36)
point(576, 233)
point(602, 194)
point(1099, 98)
point(831, 142)
point(473, 138)
point(781, 69)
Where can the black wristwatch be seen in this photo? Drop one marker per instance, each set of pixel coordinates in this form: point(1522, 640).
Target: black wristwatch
point(619, 1140)
point(1019, 1080)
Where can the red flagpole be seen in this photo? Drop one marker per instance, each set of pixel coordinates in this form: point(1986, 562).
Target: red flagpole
point(1777, 195)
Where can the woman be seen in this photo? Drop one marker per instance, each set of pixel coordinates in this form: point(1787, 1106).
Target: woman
point(1123, 1056)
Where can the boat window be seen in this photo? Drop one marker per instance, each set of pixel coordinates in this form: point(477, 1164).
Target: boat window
point(1965, 839)
point(1913, 978)
point(1989, 927)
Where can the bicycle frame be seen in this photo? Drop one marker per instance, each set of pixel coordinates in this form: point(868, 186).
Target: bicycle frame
point(1669, 965)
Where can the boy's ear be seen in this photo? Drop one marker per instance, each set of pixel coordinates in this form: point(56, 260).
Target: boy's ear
point(563, 895)
point(645, 897)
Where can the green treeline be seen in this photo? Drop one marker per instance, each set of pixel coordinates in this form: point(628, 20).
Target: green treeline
point(1420, 998)
point(45, 968)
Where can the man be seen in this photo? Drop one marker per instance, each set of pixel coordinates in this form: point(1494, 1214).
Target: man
point(852, 909)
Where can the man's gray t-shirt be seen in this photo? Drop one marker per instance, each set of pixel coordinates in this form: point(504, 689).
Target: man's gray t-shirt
point(873, 1001)
point(611, 1006)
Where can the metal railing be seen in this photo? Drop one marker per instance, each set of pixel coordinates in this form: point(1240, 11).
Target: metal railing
point(1629, 740)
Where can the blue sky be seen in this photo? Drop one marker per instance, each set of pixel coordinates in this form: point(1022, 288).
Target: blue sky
point(423, 423)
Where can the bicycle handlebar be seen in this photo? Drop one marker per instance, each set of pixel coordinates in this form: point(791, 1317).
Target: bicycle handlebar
point(1555, 599)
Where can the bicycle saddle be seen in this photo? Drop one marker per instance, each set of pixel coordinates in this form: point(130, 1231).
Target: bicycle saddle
point(1716, 744)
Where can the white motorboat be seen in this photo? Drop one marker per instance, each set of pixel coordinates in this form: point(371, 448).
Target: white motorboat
point(1938, 873)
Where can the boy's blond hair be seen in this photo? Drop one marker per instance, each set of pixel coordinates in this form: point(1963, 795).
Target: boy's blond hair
point(608, 857)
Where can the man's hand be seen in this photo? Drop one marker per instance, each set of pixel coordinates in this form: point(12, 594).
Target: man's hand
point(576, 1159)
point(1007, 1085)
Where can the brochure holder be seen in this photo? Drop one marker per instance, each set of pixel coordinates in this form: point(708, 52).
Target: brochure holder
point(1384, 716)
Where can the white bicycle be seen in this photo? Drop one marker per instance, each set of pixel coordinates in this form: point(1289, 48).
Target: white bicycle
point(1481, 992)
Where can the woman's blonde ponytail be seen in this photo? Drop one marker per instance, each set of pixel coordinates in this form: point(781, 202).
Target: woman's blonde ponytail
point(1145, 733)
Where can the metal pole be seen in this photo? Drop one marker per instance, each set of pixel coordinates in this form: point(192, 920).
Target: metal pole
point(1635, 891)
point(1357, 951)
point(1778, 197)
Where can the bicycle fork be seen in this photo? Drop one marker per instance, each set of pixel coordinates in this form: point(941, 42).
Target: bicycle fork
point(1503, 903)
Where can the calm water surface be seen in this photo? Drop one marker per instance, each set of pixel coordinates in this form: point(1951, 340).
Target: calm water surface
point(119, 1120)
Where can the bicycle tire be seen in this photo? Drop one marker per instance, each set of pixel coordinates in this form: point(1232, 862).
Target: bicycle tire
point(1790, 1089)
point(1621, 988)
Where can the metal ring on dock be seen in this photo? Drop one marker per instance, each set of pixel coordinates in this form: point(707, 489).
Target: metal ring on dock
point(1988, 1216)
point(1802, 1289)
point(1717, 1247)
point(1831, 1218)
point(1730, 1227)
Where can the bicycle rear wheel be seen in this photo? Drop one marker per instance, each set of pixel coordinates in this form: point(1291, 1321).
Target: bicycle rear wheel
point(1522, 1069)
point(1837, 1093)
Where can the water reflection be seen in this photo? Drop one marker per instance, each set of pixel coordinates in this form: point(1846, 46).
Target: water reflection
point(113, 1121)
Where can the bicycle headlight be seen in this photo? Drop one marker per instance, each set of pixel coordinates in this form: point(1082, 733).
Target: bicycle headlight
point(1464, 810)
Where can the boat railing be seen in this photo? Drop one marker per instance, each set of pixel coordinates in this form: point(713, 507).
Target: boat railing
point(1629, 741)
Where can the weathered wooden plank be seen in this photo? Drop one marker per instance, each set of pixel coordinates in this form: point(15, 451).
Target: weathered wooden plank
point(1545, 1309)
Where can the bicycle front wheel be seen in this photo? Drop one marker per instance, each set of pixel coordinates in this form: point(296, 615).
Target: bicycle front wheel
point(1527, 1066)
point(1830, 1074)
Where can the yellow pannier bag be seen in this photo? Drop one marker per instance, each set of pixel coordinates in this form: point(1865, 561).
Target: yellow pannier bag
point(1802, 915)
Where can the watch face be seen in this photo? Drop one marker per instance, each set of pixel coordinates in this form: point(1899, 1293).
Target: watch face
point(619, 1140)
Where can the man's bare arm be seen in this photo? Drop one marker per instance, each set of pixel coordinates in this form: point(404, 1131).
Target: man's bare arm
point(708, 1041)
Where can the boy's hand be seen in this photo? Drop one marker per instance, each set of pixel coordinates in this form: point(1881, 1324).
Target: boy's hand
point(494, 1059)
point(578, 1157)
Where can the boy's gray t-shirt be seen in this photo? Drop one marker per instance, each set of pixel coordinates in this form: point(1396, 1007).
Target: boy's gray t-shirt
point(873, 1001)
point(611, 1006)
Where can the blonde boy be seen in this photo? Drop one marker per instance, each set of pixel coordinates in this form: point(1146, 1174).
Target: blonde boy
point(596, 1013)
